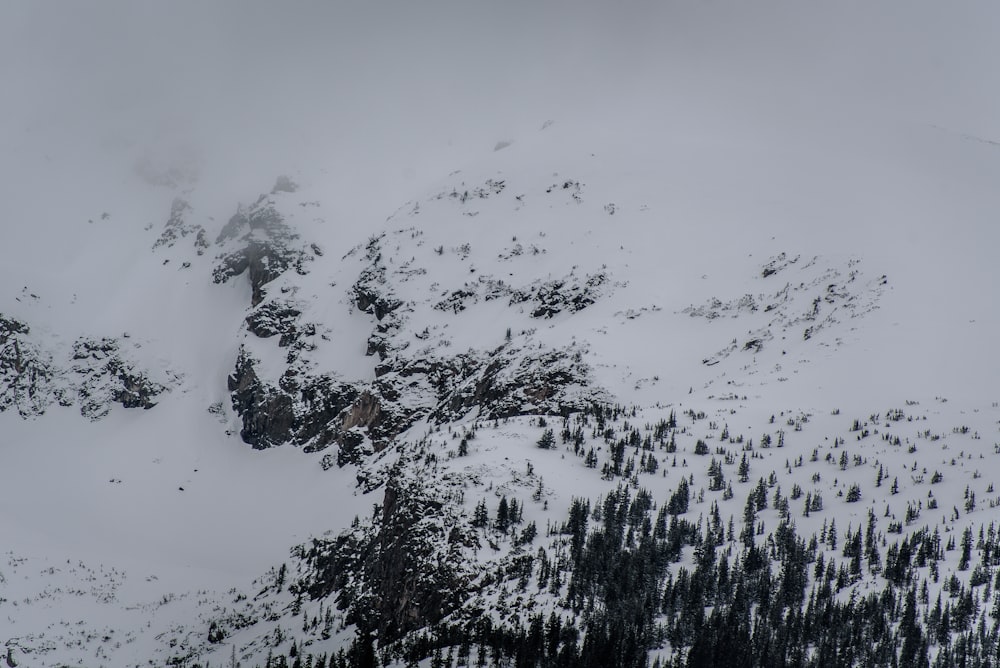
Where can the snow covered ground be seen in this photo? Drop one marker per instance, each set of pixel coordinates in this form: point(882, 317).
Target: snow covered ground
point(694, 154)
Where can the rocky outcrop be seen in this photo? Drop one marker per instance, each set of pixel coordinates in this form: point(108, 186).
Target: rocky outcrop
point(25, 371)
point(97, 376)
point(300, 409)
point(570, 294)
point(372, 293)
point(815, 298)
point(261, 244)
point(403, 572)
point(317, 410)
point(384, 409)
point(279, 318)
point(362, 418)
point(105, 378)
point(545, 299)
point(178, 228)
point(310, 406)
point(512, 382)
point(268, 415)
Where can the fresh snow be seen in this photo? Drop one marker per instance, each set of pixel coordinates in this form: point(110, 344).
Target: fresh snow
point(679, 151)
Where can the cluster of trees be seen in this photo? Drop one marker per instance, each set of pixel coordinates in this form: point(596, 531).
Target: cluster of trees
point(636, 581)
point(625, 588)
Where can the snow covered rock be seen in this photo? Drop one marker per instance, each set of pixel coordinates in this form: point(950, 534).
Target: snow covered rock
point(407, 569)
point(178, 227)
point(97, 375)
point(102, 376)
point(25, 371)
point(258, 241)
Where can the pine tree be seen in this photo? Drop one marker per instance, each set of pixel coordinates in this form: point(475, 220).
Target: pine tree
point(854, 493)
point(502, 518)
point(963, 564)
point(910, 631)
point(547, 440)
point(481, 516)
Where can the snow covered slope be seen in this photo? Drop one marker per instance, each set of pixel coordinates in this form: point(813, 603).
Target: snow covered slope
point(337, 359)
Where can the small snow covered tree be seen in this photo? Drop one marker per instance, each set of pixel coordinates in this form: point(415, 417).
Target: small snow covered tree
point(481, 516)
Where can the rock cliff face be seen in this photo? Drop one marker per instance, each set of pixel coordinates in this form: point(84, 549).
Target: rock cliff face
point(97, 375)
point(278, 318)
point(310, 405)
point(509, 382)
point(317, 410)
point(104, 377)
point(403, 572)
point(256, 240)
point(178, 227)
point(26, 373)
point(300, 410)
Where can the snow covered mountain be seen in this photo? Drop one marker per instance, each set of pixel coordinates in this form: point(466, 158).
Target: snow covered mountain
point(555, 335)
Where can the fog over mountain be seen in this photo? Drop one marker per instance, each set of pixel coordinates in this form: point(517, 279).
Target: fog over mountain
point(383, 93)
point(325, 327)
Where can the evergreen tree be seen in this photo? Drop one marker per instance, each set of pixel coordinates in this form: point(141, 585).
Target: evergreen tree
point(744, 469)
point(481, 515)
point(502, 520)
point(547, 440)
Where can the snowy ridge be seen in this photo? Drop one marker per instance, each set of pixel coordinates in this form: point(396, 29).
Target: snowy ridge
point(821, 299)
point(677, 352)
point(458, 373)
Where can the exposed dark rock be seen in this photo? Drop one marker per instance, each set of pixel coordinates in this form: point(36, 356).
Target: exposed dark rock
point(268, 415)
point(555, 382)
point(377, 345)
point(371, 293)
point(105, 378)
point(96, 377)
point(364, 417)
point(404, 572)
point(463, 193)
point(267, 247)
point(371, 296)
point(316, 411)
point(9, 327)
point(25, 372)
point(178, 228)
point(568, 294)
point(274, 318)
point(776, 264)
point(383, 410)
point(235, 227)
point(323, 399)
point(303, 410)
point(457, 301)
point(547, 299)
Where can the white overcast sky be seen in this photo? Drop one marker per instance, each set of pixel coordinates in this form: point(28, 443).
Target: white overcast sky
point(382, 93)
